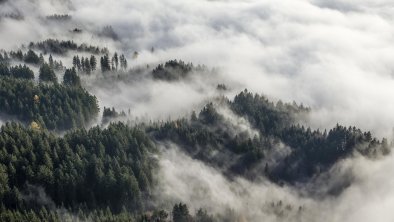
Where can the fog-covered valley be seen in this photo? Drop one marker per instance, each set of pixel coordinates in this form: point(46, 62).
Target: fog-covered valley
point(198, 110)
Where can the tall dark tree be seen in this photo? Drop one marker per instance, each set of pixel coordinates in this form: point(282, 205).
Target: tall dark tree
point(46, 74)
point(105, 63)
point(32, 57)
point(123, 62)
point(42, 60)
point(93, 62)
point(71, 78)
point(83, 67)
point(180, 213)
point(88, 67)
point(51, 64)
point(116, 60)
point(75, 62)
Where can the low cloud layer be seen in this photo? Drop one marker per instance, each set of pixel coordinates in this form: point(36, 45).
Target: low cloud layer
point(369, 198)
point(335, 56)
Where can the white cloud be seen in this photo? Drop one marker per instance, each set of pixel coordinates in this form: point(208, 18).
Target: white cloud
point(335, 56)
point(339, 62)
point(369, 198)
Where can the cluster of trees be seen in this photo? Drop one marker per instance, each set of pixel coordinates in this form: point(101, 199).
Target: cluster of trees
point(312, 151)
point(111, 114)
point(175, 70)
point(172, 70)
point(57, 17)
point(88, 65)
point(85, 65)
point(16, 15)
point(52, 106)
point(113, 64)
point(30, 57)
point(62, 215)
point(46, 74)
point(180, 213)
point(54, 64)
point(88, 170)
point(62, 47)
point(71, 78)
point(4, 57)
point(22, 72)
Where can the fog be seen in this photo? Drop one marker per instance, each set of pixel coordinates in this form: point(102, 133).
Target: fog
point(337, 61)
point(335, 56)
point(369, 198)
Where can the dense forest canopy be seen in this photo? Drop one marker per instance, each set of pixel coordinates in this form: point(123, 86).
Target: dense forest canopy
point(52, 106)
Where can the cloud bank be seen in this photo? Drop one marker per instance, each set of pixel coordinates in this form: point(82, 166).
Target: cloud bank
point(369, 198)
point(337, 61)
point(335, 56)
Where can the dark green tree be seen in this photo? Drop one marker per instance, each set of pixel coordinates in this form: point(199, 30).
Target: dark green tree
point(180, 213)
point(46, 74)
point(32, 57)
point(93, 62)
point(71, 78)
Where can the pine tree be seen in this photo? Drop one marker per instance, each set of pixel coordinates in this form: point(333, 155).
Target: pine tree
point(93, 62)
point(75, 62)
point(79, 64)
point(83, 67)
point(71, 78)
point(32, 57)
point(105, 64)
point(88, 68)
point(46, 74)
point(42, 60)
point(51, 62)
point(116, 60)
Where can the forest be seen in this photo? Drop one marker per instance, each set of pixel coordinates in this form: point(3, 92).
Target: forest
point(64, 159)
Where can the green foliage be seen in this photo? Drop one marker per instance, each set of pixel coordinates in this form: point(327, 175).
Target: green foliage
point(46, 74)
point(203, 216)
point(209, 138)
point(95, 169)
point(20, 71)
point(180, 213)
point(175, 70)
point(32, 58)
point(62, 215)
point(172, 70)
point(105, 63)
point(71, 78)
point(56, 107)
point(62, 47)
point(111, 114)
point(18, 55)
